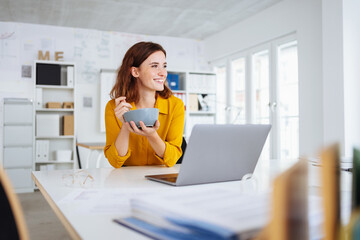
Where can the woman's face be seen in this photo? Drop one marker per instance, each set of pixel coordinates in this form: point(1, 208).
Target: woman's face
point(152, 72)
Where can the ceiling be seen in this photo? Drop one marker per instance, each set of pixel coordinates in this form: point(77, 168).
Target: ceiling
point(196, 19)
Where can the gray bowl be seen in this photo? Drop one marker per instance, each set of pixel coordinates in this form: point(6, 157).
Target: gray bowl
point(147, 115)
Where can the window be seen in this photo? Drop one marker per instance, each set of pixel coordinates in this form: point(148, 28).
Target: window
point(221, 94)
point(261, 86)
point(263, 89)
point(288, 100)
point(238, 101)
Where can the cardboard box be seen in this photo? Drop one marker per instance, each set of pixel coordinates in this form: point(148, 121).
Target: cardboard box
point(68, 105)
point(53, 105)
point(68, 125)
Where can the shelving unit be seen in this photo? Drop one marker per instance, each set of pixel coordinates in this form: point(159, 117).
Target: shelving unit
point(54, 146)
point(198, 91)
point(18, 142)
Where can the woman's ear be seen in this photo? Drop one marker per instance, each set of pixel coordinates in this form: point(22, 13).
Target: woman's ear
point(134, 72)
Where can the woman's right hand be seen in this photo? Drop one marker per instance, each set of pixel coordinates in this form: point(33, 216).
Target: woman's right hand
point(121, 107)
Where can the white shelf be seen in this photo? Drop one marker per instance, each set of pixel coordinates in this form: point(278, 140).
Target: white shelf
point(54, 87)
point(55, 161)
point(178, 91)
point(202, 113)
point(201, 72)
point(54, 109)
point(54, 137)
point(196, 83)
point(202, 92)
point(49, 145)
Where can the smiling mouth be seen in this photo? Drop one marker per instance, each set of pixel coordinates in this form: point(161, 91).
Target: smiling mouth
point(159, 80)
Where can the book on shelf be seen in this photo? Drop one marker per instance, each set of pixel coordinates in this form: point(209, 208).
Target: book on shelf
point(199, 214)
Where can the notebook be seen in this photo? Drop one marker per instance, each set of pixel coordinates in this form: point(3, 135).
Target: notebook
point(218, 153)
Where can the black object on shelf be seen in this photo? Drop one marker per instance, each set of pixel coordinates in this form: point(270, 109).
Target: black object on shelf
point(48, 74)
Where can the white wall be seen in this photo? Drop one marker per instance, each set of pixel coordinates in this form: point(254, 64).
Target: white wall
point(91, 50)
point(351, 29)
point(341, 57)
point(333, 72)
point(289, 16)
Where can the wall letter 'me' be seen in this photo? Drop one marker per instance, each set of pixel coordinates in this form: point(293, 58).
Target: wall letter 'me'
point(42, 57)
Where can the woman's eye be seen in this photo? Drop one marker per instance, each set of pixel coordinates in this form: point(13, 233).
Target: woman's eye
point(165, 66)
point(154, 66)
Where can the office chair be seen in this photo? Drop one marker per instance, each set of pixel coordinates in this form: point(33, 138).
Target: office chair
point(12, 222)
point(183, 148)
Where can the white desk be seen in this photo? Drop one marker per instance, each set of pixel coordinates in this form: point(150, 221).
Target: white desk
point(101, 226)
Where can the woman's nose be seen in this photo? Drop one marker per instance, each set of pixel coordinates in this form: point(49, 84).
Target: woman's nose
point(162, 72)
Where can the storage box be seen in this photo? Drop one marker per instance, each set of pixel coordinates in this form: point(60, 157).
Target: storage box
point(68, 125)
point(47, 125)
point(68, 105)
point(53, 105)
point(63, 155)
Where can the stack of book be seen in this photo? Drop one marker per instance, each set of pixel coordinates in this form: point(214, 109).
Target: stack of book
point(199, 214)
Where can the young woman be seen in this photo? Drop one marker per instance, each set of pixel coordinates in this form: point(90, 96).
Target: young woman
point(140, 83)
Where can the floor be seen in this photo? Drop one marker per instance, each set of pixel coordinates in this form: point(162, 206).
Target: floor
point(41, 221)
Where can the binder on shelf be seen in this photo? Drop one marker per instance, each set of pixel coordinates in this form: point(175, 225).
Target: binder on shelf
point(63, 76)
point(39, 94)
point(173, 80)
point(42, 150)
point(182, 96)
point(70, 76)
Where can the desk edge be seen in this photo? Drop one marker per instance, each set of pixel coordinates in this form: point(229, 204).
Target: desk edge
point(71, 230)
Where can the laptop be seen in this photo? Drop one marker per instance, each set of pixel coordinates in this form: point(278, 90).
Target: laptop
point(218, 153)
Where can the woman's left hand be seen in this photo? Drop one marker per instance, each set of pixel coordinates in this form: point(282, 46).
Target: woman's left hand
point(144, 131)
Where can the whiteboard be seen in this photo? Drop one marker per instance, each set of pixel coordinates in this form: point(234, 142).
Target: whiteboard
point(107, 81)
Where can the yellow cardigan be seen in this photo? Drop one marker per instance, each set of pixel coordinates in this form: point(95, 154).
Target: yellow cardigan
point(140, 152)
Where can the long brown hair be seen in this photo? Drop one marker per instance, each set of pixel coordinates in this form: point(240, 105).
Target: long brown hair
point(126, 84)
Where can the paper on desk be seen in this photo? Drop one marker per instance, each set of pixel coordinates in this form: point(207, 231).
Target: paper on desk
point(104, 201)
point(232, 211)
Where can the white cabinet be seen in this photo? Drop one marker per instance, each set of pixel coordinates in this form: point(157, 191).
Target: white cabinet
point(54, 115)
point(18, 142)
point(198, 91)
